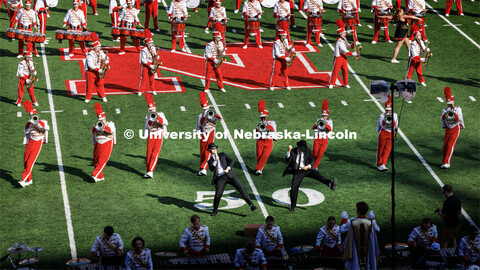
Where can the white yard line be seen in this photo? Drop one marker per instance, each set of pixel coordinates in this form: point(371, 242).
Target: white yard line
point(63, 184)
point(117, 111)
point(472, 98)
point(422, 160)
point(454, 27)
point(239, 157)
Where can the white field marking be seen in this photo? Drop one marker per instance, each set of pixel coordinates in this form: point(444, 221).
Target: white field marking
point(221, 105)
point(50, 111)
point(368, 100)
point(19, 114)
point(239, 157)
point(369, 26)
point(66, 204)
point(415, 151)
point(472, 98)
point(456, 24)
point(344, 103)
point(440, 99)
point(185, 33)
point(477, 23)
point(234, 30)
point(182, 108)
point(117, 111)
point(311, 104)
point(247, 106)
point(280, 105)
point(85, 112)
point(454, 27)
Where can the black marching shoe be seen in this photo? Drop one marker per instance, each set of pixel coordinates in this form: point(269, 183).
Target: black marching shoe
point(334, 184)
point(253, 207)
point(214, 213)
point(291, 209)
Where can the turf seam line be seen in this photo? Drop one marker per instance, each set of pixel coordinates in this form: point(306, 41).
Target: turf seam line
point(63, 183)
point(239, 157)
point(454, 27)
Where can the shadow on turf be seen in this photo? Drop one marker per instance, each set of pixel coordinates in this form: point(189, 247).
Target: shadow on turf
point(118, 165)
point(7, 176)
point(7, 100)
point(67, 169)
point(171, 163)
point(450, 80)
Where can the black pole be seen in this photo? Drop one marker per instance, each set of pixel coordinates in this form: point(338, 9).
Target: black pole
point(393, 184)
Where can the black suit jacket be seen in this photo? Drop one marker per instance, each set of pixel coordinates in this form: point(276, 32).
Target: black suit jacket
point(307, 157)
point(226, 161)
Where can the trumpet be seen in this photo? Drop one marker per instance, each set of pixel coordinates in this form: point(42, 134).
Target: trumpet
point(262, 127)
point(99, 125)
point(450, 115)
point(388, 119)
point(154, 118)
point(211, 115)
point(321, 123)
point(34, 119)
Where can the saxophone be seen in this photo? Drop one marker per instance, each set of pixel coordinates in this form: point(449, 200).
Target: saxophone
point(291, 54)
point(104, 66)
point(157, 62)
point(428, 54)
point(221, 59)
point(33, 78)
point(358, 50)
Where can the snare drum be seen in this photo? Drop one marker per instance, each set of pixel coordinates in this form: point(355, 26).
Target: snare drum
point(125, 31)
point(70, 35)
point(116, 31)
point(20, 34)
point(39, 38)
point(178, 27)
point(253, 24)
point(11, 32)
point(419, 14)
point(383, 13)
point(178, 20)
point(350, 19)
point(315, 21)
point(88, 36)
point(282, 25)
point(80, 37)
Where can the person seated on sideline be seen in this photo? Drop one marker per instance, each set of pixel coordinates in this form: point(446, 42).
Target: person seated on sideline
point(361, 235)
point(432, 259)
point(328, 239)
point(421, 239)
point(250, 258)
point(195, 240)
point(270, 239)
point(139, 258)
point(469, 248)
point(109, 247)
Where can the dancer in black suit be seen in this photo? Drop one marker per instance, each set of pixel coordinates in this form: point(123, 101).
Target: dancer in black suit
point(221, 165)
point(300, 163)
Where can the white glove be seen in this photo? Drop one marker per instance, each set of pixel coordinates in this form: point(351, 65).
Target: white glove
point(259, 16)
point(371, 215)
point(293, 49)
point(344, 215)
point(422, 59)
point(288, 59)
point(355, 54)
point(107, 61)
point(359, 10)
point(35, 73)
point(215, 61)
point(152, 67)
point(100, 71)
point(28, 81)
point(428, 50)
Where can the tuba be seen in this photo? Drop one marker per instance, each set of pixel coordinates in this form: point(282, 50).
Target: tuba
point(99, 125)
point(104, 66)
point(321, 123)
point(450, 115)
point(262, 127)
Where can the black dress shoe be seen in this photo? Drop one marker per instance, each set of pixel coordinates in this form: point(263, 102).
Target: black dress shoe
point(291, 209)
point(253, 207)
point(214, 213)
point(334, 184)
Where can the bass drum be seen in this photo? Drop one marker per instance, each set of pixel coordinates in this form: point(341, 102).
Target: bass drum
point(268, 3)
point(192, 3)
point(331, 2)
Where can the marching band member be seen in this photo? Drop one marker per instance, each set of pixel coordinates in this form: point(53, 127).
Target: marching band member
point(469, 248)
point(214, 52)
point(281, 11)
point(349, 10)
point(206, 124)
point(76, 21)
point(250, 257)
point(322, 127)
point(113, 8)
point(156, 127)
point(128, 18)
point(381, 7)
point(26, 73)
point(93, 4)
point(269, 238)
point(452, 123)
point(109, 246)
point(421, 239)
point(97, 60)
point(149, 60)
point(13, 12)
point(449, 7)
point(252, 12)
point(237, 6)
point(292, 13)
point(415, 61)
point(104, 138)
point(83, 7)
point(384, 129)
point(341, 52)
point(195, 240)
point(218, 16)
point(178, 14)
point(328, 239)
point(210, 4)
point(362, 233)
point(41, 8)
point(151, 10)
point(314, 20)
point(417, 8)
point(25, 19)
point(264, 143)
point(139, 258)
point(281, 60)
point(36, 134)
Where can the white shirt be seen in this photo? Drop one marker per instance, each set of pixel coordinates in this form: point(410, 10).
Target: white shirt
point(347, 5)
point(26, 17)
point(114, 3)
point(416, 48)
point(452, 123)
point(262, 240)
point(280, 48)
point(40, 5)
point(147, 55)
point(94, 60)
point(100, 138)
point(321, 133)
point(270, 134)
point(256, 258)
point(252, 9)
point(23, 70)
point(300, 160)
point(218, 166)
point(313, 6)
point(129, 15)
point(213, 50)
point(178, 9)
point(383, 126)
point(188, 241)
point(282, 9)
point(145, 256)
point(32, 134)
point(423, 239)
point(416, 5)
point(328, 239)
point(382, 4)
point(465, 250)
point(218, 14)
point(115, 240)
point(75, 18)
point(203, 125)
point(345, 227)
point(341, 47)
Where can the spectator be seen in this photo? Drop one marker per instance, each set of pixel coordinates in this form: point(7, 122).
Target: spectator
point(469, 248)
point(421, 239)
point(139, 258)
point(328, 239)
point(269, 239)
point(450, 211)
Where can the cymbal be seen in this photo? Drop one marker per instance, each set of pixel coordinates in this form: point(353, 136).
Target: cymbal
point(398, 246)
point(166, 254)
point(18, 248)
point(28, 261)
point(302, 249)
point(36, 249)
point(78, 262)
